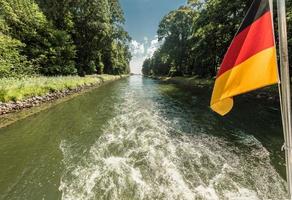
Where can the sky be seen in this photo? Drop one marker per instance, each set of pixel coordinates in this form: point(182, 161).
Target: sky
point(142, 20)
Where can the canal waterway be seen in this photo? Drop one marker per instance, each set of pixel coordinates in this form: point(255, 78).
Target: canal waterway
point(142, 139)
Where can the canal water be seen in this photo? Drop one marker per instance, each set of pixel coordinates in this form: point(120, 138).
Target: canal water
point(138, 138)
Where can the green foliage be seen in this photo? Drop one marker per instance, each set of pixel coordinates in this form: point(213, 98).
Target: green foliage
point(14, 89)
point(196, 36)
point(50, 50)
point(60, 54)
point(97, 32)
point(146, 68)
point(12, 64)
point(175, 29)
point(62, 37)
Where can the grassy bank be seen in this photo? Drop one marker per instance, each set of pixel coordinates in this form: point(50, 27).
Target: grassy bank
point(12, 89)
point(50, 90)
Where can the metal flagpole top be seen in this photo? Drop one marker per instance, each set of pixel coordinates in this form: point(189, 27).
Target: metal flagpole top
point(285, 90)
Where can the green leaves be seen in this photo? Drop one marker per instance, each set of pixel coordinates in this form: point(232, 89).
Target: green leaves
point(96, 32)
point(175, 29)
point(11, 62)
point(50, 50)
point(196, 36)
point(63, 37)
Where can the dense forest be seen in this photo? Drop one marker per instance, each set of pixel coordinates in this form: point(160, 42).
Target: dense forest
point(196, 36)
point(63, 37)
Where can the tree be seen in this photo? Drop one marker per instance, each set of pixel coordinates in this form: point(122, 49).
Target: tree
point(97, 33)
point(146, 68)
point(65, 37)
point(196, 36)
point(116, 52)
point(50, 50)
point(176, 29)
point(12, 63)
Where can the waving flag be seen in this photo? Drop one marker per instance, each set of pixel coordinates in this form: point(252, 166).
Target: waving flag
point(250, 62)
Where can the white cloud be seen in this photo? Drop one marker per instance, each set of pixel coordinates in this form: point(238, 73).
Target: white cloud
point(141, 51)
point(137, 48)
point(154, 45)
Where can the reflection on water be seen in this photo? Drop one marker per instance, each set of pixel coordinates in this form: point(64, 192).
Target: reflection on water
point(141, 139)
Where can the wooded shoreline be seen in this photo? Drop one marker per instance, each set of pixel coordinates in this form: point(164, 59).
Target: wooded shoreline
point(269, 94)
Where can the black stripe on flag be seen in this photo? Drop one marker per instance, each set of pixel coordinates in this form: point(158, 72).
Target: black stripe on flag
point(257, 10)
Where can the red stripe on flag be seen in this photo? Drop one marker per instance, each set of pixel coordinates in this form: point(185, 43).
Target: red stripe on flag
point(253, 39)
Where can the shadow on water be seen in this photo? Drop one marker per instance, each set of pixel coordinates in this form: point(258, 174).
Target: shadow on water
point(139, 138)
point(250, 116)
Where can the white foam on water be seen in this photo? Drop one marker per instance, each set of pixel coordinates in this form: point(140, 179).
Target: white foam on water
point(143, 155)
point(242, 194)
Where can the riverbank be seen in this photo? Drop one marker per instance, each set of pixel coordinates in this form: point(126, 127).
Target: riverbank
point(269, 93)
point(192, 81)
point(138, 133)
point(21, 98)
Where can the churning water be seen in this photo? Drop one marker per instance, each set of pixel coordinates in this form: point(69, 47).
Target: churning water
point(140, 139)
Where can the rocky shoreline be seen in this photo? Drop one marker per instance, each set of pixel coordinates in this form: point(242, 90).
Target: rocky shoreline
point(11, 107)
point(37, 101)
point(11, 112)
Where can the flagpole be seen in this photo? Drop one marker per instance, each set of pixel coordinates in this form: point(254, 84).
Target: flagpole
point(285, 90)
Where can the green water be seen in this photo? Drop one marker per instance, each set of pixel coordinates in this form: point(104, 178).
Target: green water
point(138, 138)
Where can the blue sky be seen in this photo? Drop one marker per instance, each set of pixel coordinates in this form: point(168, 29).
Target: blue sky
point(142, 19)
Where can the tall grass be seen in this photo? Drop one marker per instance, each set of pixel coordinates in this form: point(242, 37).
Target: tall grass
point(13, 89)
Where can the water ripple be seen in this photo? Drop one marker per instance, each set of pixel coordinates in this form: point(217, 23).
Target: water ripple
point(144, 155)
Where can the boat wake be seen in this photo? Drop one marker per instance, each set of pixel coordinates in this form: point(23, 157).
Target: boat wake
point(144, 155)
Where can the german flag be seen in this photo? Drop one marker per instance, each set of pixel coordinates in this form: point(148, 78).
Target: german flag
point(250, 62)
